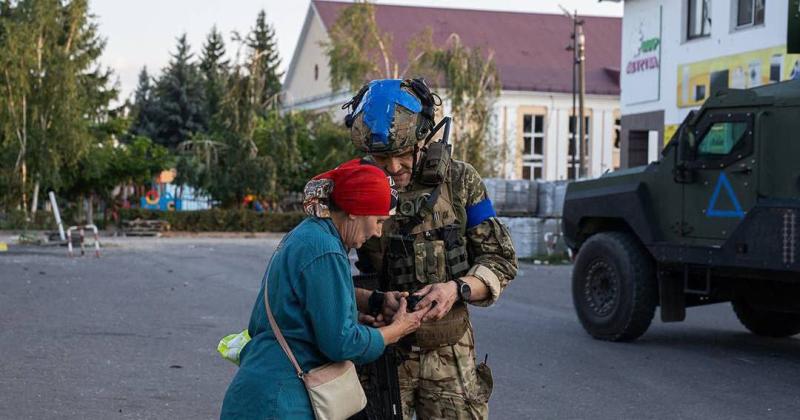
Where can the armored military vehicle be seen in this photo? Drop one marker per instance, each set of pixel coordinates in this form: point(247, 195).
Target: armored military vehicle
point(716, 219)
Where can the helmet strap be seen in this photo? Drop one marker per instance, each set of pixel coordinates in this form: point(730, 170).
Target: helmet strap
point(414, 161)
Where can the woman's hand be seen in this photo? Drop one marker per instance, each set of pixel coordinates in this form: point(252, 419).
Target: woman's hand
point(374, 321)
point(403, 323)
point(391, 303)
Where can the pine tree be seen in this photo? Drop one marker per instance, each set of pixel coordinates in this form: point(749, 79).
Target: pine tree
point(249, 159)
point(142, 112)
point(214, 70)
point(179, 99)
point(264, 61)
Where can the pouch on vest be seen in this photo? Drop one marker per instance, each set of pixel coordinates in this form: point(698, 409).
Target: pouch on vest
point(399, 263)
point(485, 383)
point(446, 331)
point(435, 164)
point(457, 256)
point(429, 262)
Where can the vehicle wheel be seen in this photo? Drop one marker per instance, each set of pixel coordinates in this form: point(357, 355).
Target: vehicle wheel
point(614, 287)
point(764, 322)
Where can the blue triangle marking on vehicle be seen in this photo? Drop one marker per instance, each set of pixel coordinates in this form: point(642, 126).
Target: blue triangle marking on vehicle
point(714, 212)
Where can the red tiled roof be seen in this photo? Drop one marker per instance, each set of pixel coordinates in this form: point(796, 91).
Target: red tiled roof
point(529, 48)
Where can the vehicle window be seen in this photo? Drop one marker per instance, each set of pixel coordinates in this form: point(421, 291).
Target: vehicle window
point(721, 138)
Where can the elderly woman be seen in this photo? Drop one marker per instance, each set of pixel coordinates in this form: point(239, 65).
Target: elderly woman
point(312, 298)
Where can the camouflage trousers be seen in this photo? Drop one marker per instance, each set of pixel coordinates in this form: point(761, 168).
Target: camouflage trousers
point(445, 383)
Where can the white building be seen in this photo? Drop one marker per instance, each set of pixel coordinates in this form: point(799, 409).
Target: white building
point(676, 53)
point(531, 119)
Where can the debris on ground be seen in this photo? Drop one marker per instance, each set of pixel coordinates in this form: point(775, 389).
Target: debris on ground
point(141, 227)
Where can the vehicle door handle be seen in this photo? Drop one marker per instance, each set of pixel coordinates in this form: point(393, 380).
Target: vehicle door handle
point(745, 170)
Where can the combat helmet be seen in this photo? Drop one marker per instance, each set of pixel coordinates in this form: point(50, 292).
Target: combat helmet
point(390, 116)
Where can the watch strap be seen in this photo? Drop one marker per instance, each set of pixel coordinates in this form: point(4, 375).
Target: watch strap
point(459, 285)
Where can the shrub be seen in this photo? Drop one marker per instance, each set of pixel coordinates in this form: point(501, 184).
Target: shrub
point(219, 220)
point(44, 220)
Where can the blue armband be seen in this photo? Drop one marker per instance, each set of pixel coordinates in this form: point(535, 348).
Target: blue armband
point(479, 212)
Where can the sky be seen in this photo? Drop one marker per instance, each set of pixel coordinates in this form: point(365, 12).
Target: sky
point(144, 32)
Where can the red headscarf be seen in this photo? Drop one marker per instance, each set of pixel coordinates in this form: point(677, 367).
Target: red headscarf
point(361, 189)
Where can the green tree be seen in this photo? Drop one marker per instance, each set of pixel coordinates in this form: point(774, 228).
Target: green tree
point(53, 90)
point(281, 136)
point(140, 161)
point(358, 51)
point(199, 161)
point(143, 109)
point(286, 151)
point(240, 171)
point(214, 69)
point(472, 85)
point(264, 61)
point(228, 163)
point(327, 145)
point(230, 159)
point(179, 99)
point(199, 155)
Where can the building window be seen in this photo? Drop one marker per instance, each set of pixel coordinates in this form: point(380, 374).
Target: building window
point(698, 18)
point(573, 153)
point(532, 146)
point(749, 13)
point(316, 72)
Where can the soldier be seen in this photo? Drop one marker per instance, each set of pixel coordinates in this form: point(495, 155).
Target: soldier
point(444, 244)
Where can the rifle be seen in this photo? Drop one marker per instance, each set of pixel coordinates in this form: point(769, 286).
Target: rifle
point(379, 378)
point(382, 387)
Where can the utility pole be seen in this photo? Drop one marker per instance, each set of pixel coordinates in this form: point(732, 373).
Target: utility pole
point(584, 144)
point(576, 124)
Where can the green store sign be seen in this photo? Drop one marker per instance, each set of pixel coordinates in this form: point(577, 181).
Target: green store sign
point(651, 62)
point(650, 45)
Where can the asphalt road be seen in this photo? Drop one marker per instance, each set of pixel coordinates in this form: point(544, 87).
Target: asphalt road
point(133, 335)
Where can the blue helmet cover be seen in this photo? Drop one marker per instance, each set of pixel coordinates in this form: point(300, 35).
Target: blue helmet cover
point(378, 106)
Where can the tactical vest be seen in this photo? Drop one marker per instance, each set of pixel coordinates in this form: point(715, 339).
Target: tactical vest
point(431, 251)
point(424, 245)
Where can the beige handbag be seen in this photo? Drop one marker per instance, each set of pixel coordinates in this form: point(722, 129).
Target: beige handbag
point(333, 388)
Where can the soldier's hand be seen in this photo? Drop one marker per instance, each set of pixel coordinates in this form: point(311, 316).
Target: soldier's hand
point(375, 321)
point(391, 303)
point(437, 301)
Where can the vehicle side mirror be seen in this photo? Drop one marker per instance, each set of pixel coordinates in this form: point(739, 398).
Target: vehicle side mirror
point(683, 173)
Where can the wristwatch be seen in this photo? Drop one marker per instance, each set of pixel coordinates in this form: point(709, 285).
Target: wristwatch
point(464, 291)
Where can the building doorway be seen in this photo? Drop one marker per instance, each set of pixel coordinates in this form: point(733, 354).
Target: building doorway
point(638, 150)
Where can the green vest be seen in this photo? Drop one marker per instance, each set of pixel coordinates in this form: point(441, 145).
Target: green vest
point(422, 245)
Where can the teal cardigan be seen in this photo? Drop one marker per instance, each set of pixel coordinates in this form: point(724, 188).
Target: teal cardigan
point(312, 298)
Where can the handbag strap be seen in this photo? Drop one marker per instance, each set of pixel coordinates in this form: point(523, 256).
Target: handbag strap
point(277, 331)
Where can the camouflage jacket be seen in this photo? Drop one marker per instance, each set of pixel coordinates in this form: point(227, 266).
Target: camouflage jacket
point(489, 251)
